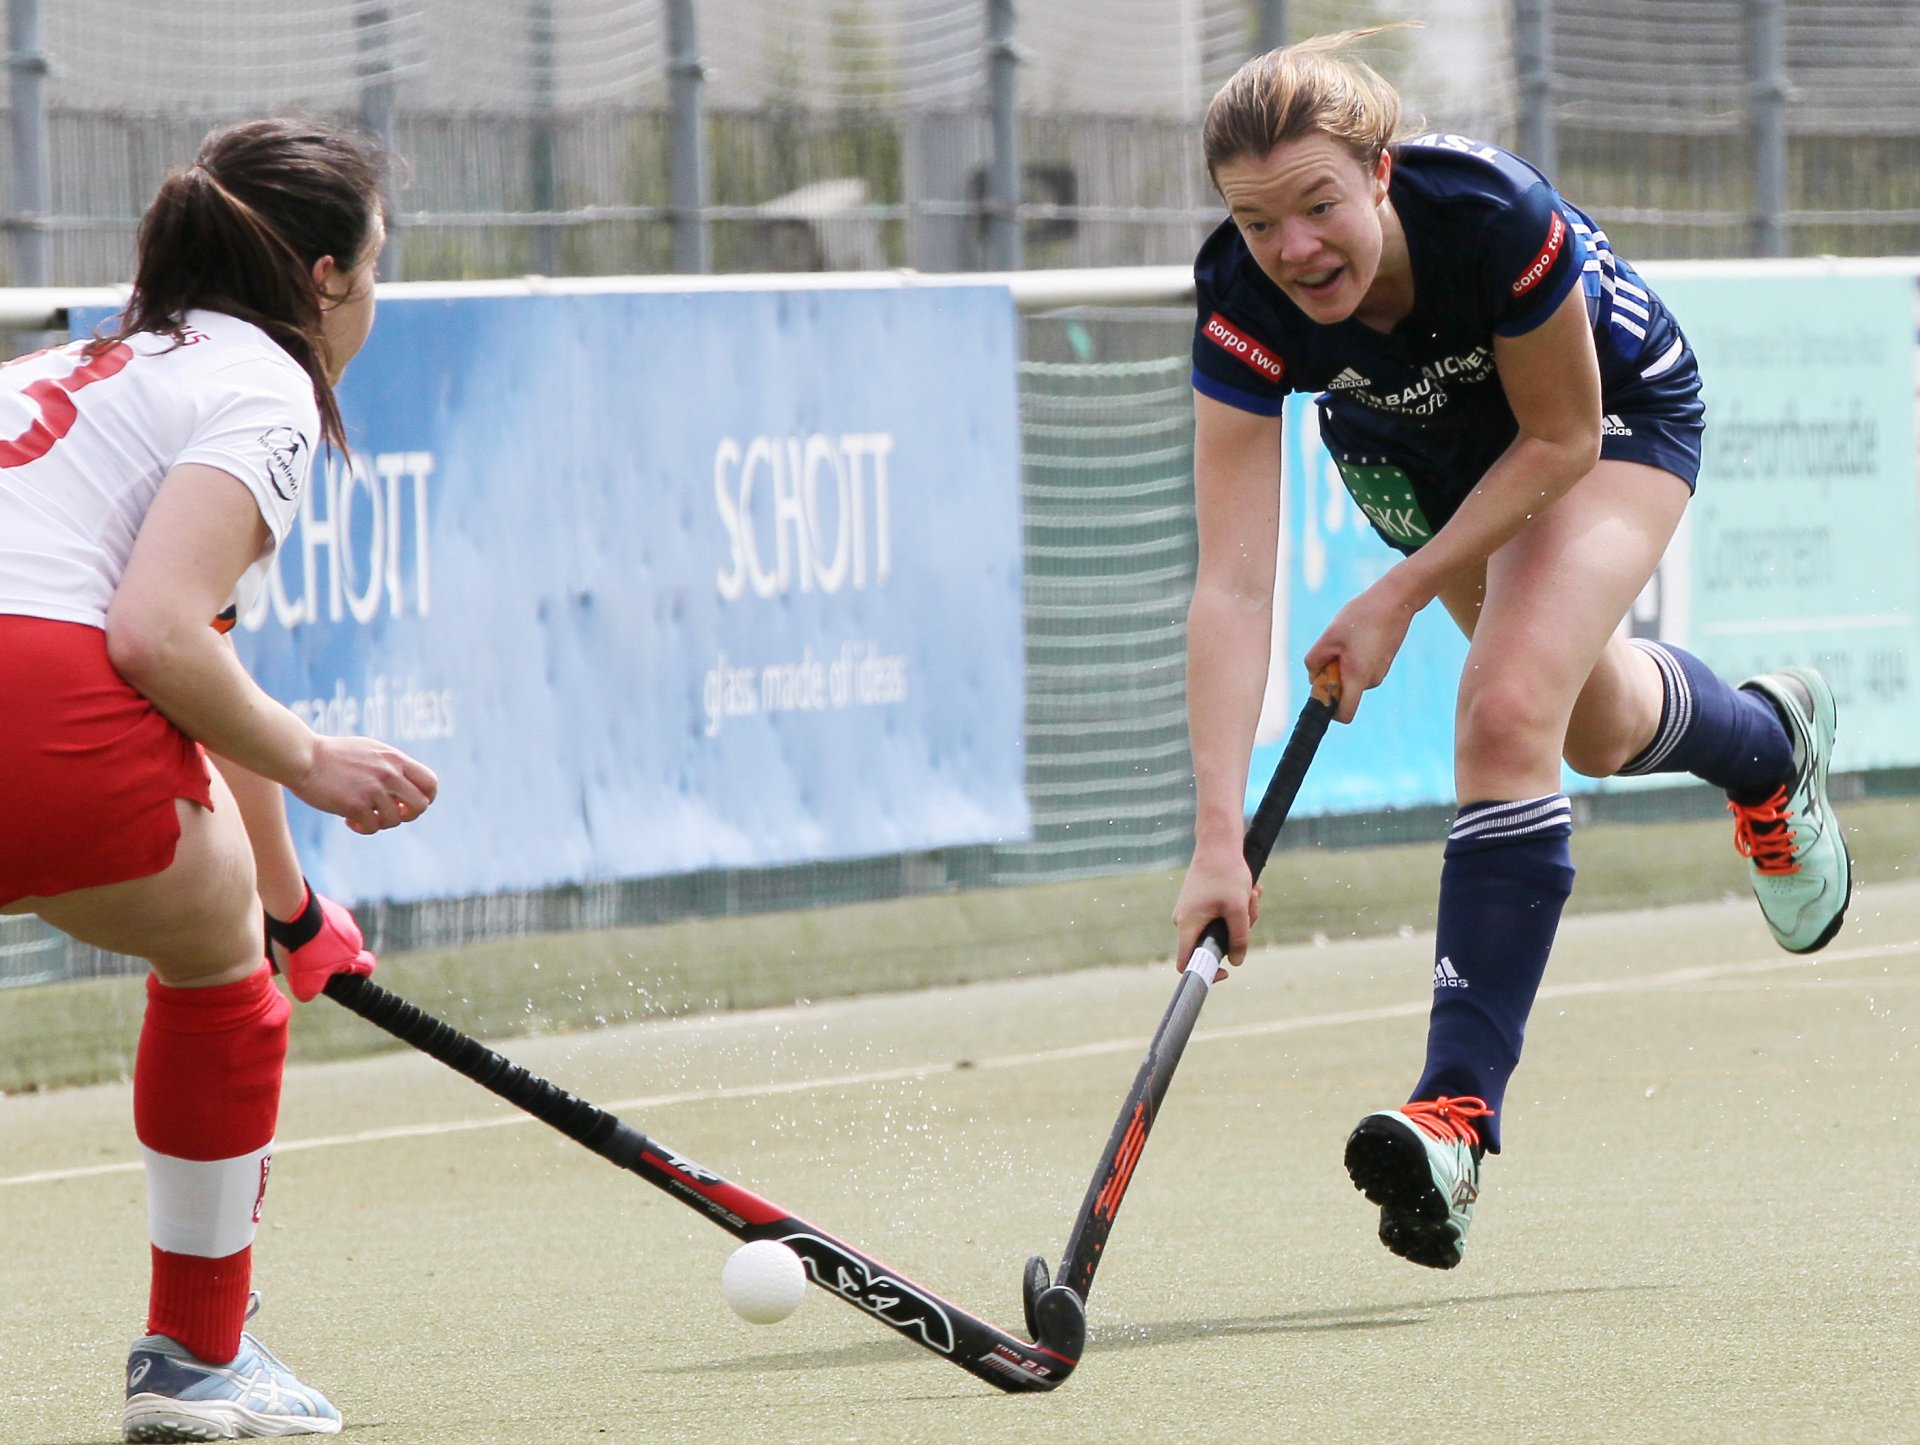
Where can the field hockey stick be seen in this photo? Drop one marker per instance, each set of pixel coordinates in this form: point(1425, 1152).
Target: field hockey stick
point(1129, 1138)
point(837, 1267)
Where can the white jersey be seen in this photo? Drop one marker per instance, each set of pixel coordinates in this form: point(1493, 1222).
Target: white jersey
point(85, 444)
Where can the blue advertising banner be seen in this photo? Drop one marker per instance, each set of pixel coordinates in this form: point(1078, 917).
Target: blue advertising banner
point(1399, 750)
point(663, 582)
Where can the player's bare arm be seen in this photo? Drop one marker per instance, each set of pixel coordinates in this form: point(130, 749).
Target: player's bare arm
point(202, 532)
point(1551, 378)
point(1229, 632)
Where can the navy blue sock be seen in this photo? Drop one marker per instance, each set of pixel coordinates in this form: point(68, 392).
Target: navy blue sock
point(1507, 874)
point(1725, 735)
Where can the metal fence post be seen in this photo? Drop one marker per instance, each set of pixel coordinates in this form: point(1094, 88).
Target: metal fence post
point(543, 159)
point(1533, 59)
point(373, 24)
point(1005, 248)
point(692, 240)
point(30, 193)
point(1270, 30)
point(1767, 123)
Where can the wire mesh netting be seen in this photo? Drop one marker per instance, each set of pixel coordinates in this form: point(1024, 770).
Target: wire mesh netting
point(858, 133)
point(1653, 104)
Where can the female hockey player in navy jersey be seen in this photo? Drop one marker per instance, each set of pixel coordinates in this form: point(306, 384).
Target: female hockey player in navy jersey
point(146, 479)
point(1518, 414)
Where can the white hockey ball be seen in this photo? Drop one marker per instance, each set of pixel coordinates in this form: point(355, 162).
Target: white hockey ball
point(764, 1281)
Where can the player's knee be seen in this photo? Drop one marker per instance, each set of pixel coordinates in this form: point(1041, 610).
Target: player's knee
point(212, 928)
point(1501, 721)
point(1596, 757)
point(227, 949)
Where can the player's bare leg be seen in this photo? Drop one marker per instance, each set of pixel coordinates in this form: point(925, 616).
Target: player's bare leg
point(1541, 616)
point(206, 1096)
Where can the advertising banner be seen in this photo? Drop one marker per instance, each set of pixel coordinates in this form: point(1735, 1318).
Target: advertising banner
point(664, 582)
point(1805, 542)
point(1802, 544)
point(1399, 750)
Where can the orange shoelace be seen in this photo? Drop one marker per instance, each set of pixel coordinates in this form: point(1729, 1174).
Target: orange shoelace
point(1448, 1120)
point(1760, 832)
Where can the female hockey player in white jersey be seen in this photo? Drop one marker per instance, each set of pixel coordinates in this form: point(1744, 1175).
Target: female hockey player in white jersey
point(146, 478)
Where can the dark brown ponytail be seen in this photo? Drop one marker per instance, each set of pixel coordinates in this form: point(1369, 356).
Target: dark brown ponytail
point(239, 230)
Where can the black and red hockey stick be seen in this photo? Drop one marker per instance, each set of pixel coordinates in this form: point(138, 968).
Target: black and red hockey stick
point(1011, 1364)
point(1129, 1138)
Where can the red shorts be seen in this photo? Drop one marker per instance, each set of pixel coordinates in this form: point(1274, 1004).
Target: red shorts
point(89, 768)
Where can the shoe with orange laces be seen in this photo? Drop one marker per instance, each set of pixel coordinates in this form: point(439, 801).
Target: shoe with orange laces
point(1796, 856)
point(1421, 1164)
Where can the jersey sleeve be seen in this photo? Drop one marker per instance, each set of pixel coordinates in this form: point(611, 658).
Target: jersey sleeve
point(1233, 362)
point(1533, 259)
point(258, 423)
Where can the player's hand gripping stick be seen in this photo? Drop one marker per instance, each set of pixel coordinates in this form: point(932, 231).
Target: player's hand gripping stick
point(322, 941)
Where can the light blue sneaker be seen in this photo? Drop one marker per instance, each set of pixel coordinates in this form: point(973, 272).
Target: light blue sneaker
point(1796, 857)
point(1421, 1164)
point(173, 1396)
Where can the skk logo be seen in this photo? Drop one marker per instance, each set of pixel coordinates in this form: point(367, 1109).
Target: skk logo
point(1399, 523)
point(1612, 426)
point(1464, 1193)
point(1543, 263)
point(1446, 976)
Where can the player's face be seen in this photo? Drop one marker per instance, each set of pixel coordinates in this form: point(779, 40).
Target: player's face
point(1311, 215)
point(347, 315)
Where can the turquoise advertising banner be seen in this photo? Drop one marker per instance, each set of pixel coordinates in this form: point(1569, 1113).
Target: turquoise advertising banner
point(1802, 544)
point(1805, 538)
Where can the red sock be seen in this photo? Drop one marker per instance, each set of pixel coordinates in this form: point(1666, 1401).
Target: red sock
point(206, 1093)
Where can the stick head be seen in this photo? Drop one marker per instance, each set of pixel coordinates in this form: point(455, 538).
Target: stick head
point(1060, 1321)
point(1036, 1283)
point(1056, 1316)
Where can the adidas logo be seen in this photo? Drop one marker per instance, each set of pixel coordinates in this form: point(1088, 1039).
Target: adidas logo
point(1612, 426)
point(1446, 976)
point(1347, 380)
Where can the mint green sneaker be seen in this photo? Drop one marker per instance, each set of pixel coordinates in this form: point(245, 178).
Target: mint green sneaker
point(1798, 861)
point(1421, 1164)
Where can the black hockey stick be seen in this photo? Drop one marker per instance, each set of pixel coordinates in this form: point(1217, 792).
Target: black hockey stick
point(837, 1267)
point(1129, 1139)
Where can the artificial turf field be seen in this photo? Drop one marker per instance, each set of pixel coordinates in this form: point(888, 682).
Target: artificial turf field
point(1706, 1225)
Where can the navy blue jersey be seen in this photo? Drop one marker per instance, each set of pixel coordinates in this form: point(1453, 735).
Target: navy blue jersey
point(1494, 251)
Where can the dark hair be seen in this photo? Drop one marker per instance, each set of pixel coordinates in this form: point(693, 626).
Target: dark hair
point(238, 231)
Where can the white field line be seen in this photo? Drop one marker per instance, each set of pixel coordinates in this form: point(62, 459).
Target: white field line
point(511, 1117)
